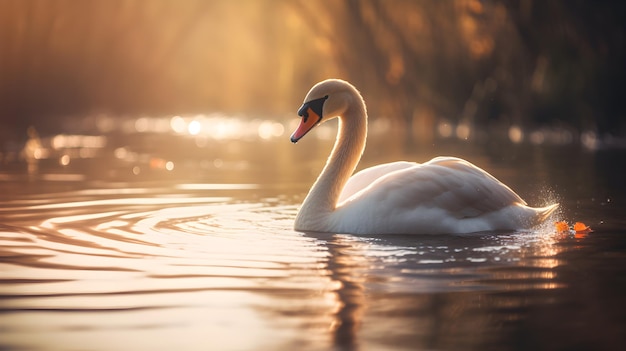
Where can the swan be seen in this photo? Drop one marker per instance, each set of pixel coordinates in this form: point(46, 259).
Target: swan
point(446, 195)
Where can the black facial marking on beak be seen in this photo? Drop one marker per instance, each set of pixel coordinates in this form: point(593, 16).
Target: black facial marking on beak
point(315, 105)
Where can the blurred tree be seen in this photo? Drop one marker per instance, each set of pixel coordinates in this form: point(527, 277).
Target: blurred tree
point(65, 57)
point(471, 62)
point(414, 59)
point(480, 62)
point(579, 50)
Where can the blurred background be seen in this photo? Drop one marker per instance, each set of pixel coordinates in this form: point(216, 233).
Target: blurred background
point(148, 185)
point(532, 71)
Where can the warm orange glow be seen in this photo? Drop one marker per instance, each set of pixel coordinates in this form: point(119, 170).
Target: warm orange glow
point(155, 56)
point(581, 227)
point(561, 227)
point(419, 58)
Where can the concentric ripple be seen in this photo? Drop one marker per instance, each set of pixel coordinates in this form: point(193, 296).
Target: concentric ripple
point(77, 267)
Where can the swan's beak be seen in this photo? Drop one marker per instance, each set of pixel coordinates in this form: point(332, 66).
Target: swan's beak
point(306, 123)
point(311, 113)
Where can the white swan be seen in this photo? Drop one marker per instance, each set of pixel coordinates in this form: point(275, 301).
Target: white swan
point(443, 195)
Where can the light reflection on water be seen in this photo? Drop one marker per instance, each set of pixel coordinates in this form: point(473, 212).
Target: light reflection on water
point(179, 268)
point(116, 251)
point(144, 265)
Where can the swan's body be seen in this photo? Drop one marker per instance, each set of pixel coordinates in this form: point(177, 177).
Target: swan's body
point(443, 195)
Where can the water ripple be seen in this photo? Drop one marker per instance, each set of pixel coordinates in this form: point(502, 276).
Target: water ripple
point(186, 263)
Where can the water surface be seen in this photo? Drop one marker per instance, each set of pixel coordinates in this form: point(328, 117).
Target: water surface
point(161, 243)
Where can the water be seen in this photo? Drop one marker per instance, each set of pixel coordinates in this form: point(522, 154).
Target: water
point(157, 242)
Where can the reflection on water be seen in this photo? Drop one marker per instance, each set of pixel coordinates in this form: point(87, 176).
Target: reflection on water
point(174, 265)
point(120, 251)
point(181, 267)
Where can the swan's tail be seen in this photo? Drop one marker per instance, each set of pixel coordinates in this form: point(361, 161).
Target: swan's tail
point(544, 212)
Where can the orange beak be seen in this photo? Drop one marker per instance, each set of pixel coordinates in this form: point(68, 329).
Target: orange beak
point(306, 124)
point(311, 113)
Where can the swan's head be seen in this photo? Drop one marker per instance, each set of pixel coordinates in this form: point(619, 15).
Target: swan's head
point(326, 100)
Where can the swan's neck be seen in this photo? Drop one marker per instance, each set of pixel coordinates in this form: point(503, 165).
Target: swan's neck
point(324, 195)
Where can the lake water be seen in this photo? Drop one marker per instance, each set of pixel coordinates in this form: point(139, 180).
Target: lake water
point(156, 241)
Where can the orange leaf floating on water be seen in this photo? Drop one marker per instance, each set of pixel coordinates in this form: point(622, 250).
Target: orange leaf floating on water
point(561, 226)
point(580, 227)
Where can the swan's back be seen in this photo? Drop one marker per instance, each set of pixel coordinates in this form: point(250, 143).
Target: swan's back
point(444, 195)
point(363, 178)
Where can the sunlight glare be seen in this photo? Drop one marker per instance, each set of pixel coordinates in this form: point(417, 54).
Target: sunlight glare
point(444, 128)
point(463, 131)
point(221, 127)
point(64, 160)
point(39, 153)
point(516, 135)
point(141, 125)
point(270, 129)
point(589, 139)
point(63, 141)
point(178, 125)
point(194, 127)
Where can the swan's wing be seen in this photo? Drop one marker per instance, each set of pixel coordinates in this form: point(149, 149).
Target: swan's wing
point(365, 177)
point(479, 191)
point(446, 183)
